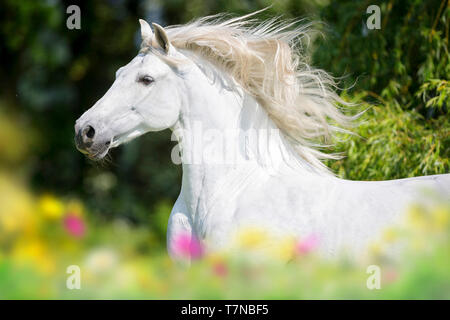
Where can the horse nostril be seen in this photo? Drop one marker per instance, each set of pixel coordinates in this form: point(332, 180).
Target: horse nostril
point(89, 132)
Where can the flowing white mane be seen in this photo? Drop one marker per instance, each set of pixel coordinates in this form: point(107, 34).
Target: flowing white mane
point(265, 59)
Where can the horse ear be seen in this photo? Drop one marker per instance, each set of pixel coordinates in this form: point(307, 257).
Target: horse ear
point(146, 32)
point(161, 37)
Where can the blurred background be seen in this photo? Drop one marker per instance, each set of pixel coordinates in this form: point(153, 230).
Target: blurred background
point(58, 208)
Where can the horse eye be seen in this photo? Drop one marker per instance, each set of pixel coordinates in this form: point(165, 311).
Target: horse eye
point(146, 80)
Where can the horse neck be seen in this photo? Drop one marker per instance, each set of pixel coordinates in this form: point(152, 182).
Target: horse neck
point(227, 139)
point(205, 138)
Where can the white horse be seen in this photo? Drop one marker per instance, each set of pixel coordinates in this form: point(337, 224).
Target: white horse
point(246, 109)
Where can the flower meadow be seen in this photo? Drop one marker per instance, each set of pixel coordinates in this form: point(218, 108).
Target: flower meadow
point(41, 235)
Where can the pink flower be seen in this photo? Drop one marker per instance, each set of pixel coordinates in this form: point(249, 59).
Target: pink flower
point(220, 269)
point(74, 225)
point(187, 246)
point(308, 244)
point(390, 275)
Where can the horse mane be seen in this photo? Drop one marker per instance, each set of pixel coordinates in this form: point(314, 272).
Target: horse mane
point(265, 59)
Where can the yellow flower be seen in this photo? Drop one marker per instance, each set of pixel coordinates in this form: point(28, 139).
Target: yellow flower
point(16, 206)
point(215, 257)
point(51, 207)
point(283, 249)
point(34, 252)
point(375, 249)
point(417, 217)
point(390, 235)
point(252, 238)
point(441, 217)
point(75, 207)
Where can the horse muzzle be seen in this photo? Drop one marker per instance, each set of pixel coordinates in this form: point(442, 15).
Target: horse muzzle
point(88, 142)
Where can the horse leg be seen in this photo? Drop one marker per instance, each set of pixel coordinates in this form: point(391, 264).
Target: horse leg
point(179, 233)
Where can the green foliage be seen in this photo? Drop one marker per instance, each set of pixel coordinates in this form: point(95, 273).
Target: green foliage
point(391, 143)
point(402, 73)
point(402, 61)
point(176, 11)
point(435, 92)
